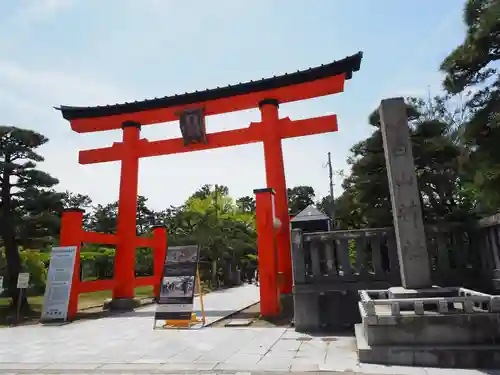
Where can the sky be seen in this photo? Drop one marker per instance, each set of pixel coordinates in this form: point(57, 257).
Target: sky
point(94, 52)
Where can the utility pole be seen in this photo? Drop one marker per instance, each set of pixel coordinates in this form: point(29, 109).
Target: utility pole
point(216, 189)
point(332, 199)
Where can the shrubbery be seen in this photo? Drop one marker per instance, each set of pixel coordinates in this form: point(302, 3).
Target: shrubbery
point(33, 262)
point(96, 263)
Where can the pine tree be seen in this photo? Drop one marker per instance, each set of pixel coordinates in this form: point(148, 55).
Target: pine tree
point(28, 208)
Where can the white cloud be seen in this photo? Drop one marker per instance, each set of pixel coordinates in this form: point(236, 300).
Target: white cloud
point(57, 87)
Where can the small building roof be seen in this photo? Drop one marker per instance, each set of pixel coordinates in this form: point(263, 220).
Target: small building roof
point(310, 213)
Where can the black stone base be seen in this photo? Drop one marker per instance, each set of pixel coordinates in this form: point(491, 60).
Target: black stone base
point(286, 301)
point(121, 304)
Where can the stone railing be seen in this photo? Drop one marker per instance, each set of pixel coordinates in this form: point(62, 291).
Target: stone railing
point(488, 240)
point(377, 308)
point(457, 256)
point(344, 255)
point(329, 268)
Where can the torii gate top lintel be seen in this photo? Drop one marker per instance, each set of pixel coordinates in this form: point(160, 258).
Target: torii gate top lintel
point(305, 84)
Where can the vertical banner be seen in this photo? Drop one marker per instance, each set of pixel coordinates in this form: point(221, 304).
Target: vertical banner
point(59, 279)
point(175, 301)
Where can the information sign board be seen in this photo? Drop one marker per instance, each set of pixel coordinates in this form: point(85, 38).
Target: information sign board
point(175, 301)
point(59, 280)
point(23, 280)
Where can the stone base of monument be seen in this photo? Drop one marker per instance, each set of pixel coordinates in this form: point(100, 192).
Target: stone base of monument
point(440, 327)
point(121, 304)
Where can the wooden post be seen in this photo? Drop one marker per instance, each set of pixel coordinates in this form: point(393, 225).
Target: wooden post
point(266, 244)
point(159, 255)
point(405, 200)
point(275, 179)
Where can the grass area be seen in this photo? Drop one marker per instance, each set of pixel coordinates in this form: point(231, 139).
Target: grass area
point(85, 300)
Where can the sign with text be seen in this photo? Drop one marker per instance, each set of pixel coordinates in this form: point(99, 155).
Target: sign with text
point(23, 280)
point(1, 284)
point(59, 279)
point(175, 301)
point(192, 123)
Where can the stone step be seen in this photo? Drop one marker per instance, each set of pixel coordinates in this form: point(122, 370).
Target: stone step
point(434, 329)
point(452, 356)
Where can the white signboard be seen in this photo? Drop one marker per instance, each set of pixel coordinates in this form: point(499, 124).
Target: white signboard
point(23, 280)
point(59, 278)
point(1, 284)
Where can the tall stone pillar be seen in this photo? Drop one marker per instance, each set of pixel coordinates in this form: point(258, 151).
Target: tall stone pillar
point(405, 200)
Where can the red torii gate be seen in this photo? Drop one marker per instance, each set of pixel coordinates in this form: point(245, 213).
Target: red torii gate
point(266, 94)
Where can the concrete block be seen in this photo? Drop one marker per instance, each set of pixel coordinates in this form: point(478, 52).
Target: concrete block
point(495, 304)
point(239, 323)
point(395, 311)
point(306, 314)
point(443, 306)
point(436, 329)
point(121, 304)
point(387, 320)
point(468, 307)
point(447, 356)
point(398, 292)
point(418, 306)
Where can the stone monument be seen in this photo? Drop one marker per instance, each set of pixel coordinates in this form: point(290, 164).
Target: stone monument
point(418, 323)
point(408, 223)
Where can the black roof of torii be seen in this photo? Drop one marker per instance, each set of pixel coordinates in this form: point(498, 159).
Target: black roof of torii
point(345, 66)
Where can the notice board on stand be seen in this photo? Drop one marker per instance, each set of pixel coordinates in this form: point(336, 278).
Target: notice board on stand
point(59, 280)
point(177, 288)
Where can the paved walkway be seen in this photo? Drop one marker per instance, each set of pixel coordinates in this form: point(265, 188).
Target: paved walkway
point(220, 304)
point(127, 344)
point(131, 346)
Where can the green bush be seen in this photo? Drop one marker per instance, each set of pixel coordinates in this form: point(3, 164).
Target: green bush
point(33, 262)
point(98, 263)
point(144, 262)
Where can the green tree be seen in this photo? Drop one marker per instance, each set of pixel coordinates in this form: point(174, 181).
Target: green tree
point(104, 218)
point(246, 204)
point(146, 217)
point(225, 233)
point(27, 205)
point(79, 201)
point(207, 190)
point(299, 197)
point(471, 70)
point(366, 201)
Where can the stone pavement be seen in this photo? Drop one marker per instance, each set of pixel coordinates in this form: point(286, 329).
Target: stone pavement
point(127, 344)
point(222, 303)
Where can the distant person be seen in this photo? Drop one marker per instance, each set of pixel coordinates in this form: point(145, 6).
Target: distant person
point(185, 286)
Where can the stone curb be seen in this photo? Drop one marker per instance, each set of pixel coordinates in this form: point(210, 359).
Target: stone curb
point(232, 314)
point(163, 368)
point(254, 370)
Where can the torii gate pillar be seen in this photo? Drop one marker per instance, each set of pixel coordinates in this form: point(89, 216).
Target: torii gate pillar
point(275, 179)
